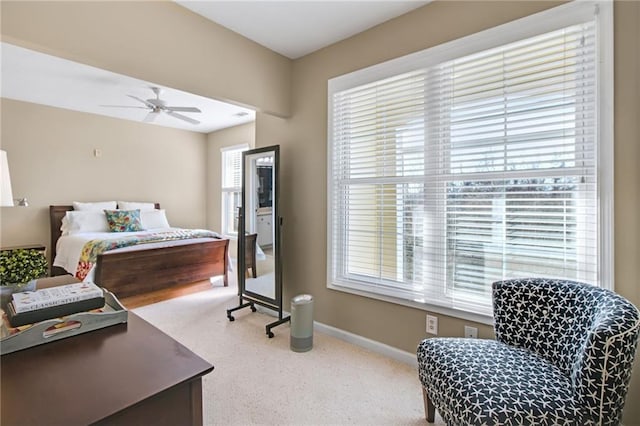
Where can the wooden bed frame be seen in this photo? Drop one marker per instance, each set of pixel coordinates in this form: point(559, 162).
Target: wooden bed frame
point(140, 271)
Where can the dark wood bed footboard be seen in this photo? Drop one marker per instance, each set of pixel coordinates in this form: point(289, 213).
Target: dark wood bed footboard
point(128, 273)
point(134, 272)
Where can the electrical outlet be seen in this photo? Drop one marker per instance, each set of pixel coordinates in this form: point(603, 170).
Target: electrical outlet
point(432, 324)
point(471, 332)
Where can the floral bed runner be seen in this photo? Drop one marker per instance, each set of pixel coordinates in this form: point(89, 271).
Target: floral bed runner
point(93, 248)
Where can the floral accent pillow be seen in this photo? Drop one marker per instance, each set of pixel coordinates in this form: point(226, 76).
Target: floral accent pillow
point(124, 220)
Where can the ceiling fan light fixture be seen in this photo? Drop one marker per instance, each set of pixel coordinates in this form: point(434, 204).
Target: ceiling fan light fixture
point(151, 116)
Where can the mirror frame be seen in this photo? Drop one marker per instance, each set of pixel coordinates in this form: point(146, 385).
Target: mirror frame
point(275, 303)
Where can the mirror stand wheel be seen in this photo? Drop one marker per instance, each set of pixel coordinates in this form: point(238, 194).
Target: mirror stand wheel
point(270, 334)
point(231, 318)
point(253, 308)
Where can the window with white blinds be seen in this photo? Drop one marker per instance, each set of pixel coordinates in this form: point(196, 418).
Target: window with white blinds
point(231, 187)
point(463, 171)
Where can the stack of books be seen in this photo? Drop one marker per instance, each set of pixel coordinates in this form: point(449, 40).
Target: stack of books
point(30, 307)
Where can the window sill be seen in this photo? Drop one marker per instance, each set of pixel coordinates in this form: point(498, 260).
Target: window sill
point(454, 313)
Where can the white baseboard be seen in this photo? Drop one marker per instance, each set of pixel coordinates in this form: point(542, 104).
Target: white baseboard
point(372, 345)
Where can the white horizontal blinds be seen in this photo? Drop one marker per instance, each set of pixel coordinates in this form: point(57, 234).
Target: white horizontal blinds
point(377, 177)
point(519, 160)
point(232, 168)
point(479, 168)
point(231, 187)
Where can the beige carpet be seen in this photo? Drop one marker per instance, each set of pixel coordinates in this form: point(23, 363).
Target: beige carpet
point(260, 381)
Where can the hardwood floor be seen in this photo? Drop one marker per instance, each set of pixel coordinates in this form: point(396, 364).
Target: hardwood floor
point(133, 302)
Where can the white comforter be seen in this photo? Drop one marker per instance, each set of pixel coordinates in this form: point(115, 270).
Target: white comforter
point(69, 247)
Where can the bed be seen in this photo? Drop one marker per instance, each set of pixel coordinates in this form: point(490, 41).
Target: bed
point(143, 268)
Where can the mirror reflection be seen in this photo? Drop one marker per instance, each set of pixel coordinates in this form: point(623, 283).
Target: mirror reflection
point(260, 271)
point(259, 224)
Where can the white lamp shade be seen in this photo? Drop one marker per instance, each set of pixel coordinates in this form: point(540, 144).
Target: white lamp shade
point(6, 195)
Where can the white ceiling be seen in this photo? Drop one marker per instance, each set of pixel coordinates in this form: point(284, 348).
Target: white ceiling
point(292, 28)
point(48, 80)
point(296, 28)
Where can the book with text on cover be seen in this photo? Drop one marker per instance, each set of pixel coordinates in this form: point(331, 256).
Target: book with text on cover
point(31, 317)
point(27, 301)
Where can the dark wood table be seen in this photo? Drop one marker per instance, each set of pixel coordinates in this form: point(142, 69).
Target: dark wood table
point(123, 374)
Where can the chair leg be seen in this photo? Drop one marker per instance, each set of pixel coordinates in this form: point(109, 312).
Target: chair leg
point(253, 272)
point(429, 408)
point(253, 265)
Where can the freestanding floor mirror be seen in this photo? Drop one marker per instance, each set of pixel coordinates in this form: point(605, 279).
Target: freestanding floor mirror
point(259, 247)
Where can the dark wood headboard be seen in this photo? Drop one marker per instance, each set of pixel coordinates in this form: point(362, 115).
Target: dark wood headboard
point(56, 213)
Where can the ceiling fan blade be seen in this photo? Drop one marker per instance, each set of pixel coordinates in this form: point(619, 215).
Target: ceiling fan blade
point(183, 117)
point(150, 105)
point(183, 109)
point(122, 106)
point(151, 117)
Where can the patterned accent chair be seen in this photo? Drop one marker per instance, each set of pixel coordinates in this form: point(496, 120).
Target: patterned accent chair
point(563, 355)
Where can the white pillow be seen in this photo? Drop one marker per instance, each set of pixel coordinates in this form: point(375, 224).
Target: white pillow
point(152, 219)
point(65, 225)
point(102, 205)
point(75, 222)
point(132, 205)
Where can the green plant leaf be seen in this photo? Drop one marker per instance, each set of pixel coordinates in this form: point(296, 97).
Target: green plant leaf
point(19, 266)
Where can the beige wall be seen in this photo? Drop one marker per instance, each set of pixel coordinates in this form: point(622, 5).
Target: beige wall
point(626, 172)
point(51, 160)
point(627, 153)
point(306, 146)
point(238, 135)
point(157, 41)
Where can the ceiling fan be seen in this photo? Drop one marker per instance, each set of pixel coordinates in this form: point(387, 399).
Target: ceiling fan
point(156, 106)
